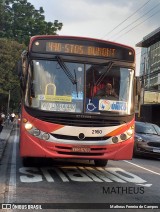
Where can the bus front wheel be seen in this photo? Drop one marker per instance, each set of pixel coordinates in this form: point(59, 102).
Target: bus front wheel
point(101, 163)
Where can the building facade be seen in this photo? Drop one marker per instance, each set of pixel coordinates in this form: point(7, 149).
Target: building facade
point(150, 66)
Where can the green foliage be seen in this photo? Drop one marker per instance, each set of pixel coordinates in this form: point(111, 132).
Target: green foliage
point(19, 20)
point(10, 52)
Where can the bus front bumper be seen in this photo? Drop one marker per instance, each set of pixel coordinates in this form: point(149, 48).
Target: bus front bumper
point(31, 146)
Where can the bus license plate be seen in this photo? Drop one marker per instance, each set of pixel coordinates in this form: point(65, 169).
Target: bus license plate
point(80, 149)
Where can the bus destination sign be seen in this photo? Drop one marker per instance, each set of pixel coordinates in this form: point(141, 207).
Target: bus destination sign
point(80, 49)
point(86, 48)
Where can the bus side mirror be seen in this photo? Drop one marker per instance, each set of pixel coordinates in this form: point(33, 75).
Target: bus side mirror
point(21, 75)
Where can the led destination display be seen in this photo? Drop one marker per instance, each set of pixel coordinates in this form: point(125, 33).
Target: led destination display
point(83, 48)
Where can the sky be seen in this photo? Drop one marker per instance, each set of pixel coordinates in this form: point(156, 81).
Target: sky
point(121, 21)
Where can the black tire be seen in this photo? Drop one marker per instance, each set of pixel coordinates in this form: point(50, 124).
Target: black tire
point(135, 153)
point(100, 163)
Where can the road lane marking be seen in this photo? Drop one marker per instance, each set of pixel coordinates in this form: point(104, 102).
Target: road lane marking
point(12, 180)
point(144, 185)
point(89, 173)
point(142, 167)
point(79, 174)
point(127, 176)
point(31, 175)
point(61, 175)
point(76, 174)
point(47, 175)
point(104, 175)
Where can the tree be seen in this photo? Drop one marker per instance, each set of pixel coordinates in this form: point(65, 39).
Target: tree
point(10, 52)
point(19, 20)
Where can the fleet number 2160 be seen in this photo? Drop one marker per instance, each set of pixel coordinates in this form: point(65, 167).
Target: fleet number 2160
point(96, 131)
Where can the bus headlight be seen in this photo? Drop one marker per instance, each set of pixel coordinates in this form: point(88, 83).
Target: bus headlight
point(45, 136)
point(124, 136)
point(130, 131)
point(28, 126)
point(36, 132)
point(115, 139)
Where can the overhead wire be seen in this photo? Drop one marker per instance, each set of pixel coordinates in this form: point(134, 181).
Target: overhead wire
point(137, 53)
point(137, 25)
point(126, 19)
point(138, 20)
point(135, 22)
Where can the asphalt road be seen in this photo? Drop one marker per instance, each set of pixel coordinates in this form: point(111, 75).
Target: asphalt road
point(74, 185)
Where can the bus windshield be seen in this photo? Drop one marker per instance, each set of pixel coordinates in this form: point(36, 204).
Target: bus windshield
point(69, 87)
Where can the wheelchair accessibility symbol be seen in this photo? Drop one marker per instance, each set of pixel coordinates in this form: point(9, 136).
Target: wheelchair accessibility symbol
point(91, 106)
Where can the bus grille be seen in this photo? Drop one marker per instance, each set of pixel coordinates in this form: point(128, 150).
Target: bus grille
point(68, 151)
point(82, 122)
point(80, 153)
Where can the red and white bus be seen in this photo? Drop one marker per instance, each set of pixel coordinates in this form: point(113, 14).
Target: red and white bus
point(66, 111)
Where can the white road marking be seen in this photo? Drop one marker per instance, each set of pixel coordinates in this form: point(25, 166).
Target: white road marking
point(62, 176)
point(80, 174)
point(47, 174)
point(31, 175)
point(111, 176)
point(88, 173)
point(76, 175)
point(103, 176)
point(12, 181)
point(142, 167)
point(145, 185)
point(127, 176)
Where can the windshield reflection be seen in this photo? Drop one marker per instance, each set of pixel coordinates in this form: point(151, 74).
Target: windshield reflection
point(110, 88)
point(146, 128)
point(62, 86)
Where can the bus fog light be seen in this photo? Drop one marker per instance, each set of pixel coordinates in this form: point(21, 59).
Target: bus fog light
point(36, 132)
point(28, 126)
point(114, 140)
point(45, 136)
point(123, 137)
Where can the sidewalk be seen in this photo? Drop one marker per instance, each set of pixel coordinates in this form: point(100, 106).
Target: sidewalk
point(4, 135)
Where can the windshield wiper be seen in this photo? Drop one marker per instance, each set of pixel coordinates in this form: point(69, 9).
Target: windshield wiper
point(103, 75)
point(66, 70)
point(76, 82)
